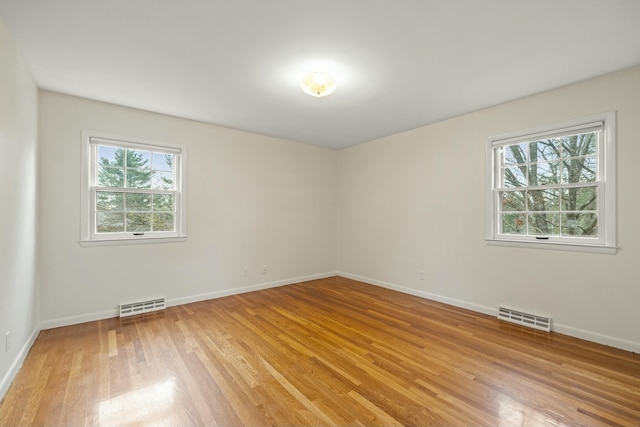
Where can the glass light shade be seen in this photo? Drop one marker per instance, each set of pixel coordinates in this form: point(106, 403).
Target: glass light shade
point(318, 84)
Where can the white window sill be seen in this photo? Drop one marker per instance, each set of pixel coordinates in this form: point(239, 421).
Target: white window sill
point(142, 241)
point(609, 250)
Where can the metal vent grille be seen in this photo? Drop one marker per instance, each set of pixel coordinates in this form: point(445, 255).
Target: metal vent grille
point(525, 319)
point(142, 307)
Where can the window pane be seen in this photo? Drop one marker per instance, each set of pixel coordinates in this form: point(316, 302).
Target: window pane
point(580, 145)
point(163, 202)
point(162, 180)
point(544, 173)
point(138, 172)
point(580, 224)
point(110, 176)
point(548, 149)
point(515, 154)
point(512, 201)
point(514, 177)
point(108, 222)
point(138, 159)
point(138, 201)
point(544, 224)
point(138, 178)
point(163, 222)
point(579, 199)
point(162, 162)
point(544, 200)
point(579, 169)
point(110, 156)
point(138, 221)
point(109, 201)
point(514, 224)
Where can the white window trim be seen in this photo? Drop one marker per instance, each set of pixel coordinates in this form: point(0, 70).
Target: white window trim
point(608, 179)
point(86, 237)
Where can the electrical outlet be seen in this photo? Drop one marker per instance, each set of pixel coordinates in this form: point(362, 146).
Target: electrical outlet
point(6, 341)
point(245, 272)
point(421, 275)
point(264, 269)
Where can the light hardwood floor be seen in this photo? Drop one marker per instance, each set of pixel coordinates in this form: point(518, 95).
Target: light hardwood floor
point(327, 352)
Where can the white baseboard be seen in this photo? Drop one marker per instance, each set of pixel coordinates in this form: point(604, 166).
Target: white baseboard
point(100, 315)
point(17, 364)
point(245, 289)
point(597, 338)
point(427, 295)
point(81, 318)
point(559, 328)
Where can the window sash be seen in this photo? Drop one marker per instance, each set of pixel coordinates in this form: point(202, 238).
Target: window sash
point(94, 210)
point(560, 211)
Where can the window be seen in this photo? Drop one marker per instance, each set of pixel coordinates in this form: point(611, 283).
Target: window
point(133, 189)
point(554, 186)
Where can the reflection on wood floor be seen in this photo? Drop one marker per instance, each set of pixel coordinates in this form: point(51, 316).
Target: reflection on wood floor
point(326, 352)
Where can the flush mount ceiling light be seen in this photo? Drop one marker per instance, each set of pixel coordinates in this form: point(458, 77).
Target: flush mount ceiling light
point(318, 84)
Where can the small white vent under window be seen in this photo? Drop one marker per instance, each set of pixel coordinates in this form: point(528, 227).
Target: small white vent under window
point(525, 319)
point(142, 307)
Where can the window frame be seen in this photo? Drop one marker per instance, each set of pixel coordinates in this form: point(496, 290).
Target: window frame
point(605, 183)
point(88, 236)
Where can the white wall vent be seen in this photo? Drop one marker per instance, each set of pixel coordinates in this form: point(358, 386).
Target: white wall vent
point(142, 307)
point(525, 319)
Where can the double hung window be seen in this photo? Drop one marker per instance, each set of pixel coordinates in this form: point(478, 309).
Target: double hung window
point(133, 189)
point(554, 186)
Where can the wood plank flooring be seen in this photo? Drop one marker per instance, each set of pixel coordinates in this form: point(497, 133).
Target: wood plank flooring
point(327, 352)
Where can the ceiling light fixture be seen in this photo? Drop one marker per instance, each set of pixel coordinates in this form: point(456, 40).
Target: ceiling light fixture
point(318, 84)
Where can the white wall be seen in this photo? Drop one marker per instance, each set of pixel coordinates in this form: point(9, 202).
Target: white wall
point(252, 201)
point(18, 203)
point(415, 201)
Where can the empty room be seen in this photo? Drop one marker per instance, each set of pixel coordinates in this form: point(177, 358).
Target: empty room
point(339, 213)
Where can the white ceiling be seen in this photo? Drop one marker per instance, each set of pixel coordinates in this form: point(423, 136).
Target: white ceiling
point(401, 64)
